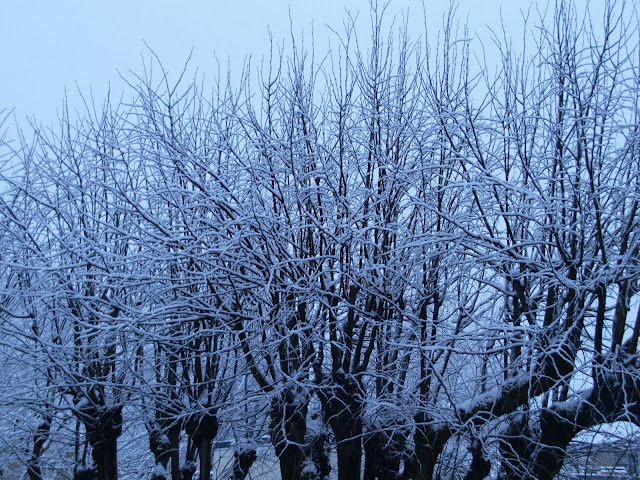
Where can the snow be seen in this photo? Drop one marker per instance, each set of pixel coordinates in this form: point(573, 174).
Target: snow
point(159, 471)
point(183, 253)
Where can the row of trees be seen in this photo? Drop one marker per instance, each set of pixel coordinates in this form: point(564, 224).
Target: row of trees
point(425, 263)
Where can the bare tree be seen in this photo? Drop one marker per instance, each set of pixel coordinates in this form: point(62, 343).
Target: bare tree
point(425, 262)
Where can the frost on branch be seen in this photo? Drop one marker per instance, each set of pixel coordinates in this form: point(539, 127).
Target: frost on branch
point(404, 261)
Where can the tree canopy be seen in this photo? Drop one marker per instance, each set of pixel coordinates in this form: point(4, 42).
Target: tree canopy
point(403, 261)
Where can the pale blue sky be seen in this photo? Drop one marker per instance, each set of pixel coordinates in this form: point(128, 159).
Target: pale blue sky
point(46, 45)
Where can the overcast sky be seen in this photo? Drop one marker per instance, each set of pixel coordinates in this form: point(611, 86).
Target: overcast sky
point(48, 45)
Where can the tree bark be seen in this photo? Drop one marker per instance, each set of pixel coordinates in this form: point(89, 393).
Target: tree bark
point(615, 396)
point(174, 442)
point(39, 439)
point(516, 448)
point(288, 428)
point(242, 461)
point(104, 426)
point(372, 454)
point(480, 466)
point(383, 452)
point(320, 456)
point(202, 429)
point(429, 443)
point(342, 410)
point(159, 444)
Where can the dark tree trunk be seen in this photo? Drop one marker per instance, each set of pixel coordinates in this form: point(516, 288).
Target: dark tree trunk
point(383, 452)
point(204, 452)
point(164, 439)
point(188, 470)
point(394, 451)
point(104, 426)
point(349, 449)
point(85, 473)
point(516, 448)
point(39, 439)
point(174, 442)
point(160, 445)
point(372, 454)
point(242, 462)
point(556, 434)
point(615, 395)
point(429, 443)
point(202, 430)
point(480, 466)
point(105, 455)
point(342, 409)
point(288, 428)
point(320, 456)
point(158, 476)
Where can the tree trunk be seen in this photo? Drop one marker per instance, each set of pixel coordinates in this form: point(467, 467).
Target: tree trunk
point(288, 428)
point(320, 456)
point(429, 443)
point(174, 442)
point(39, 439)
point(372, 454)
point(188, 470)
point(105, 455)
point(85, 473)
point(556, 434)
point(159, 444)
point(103, 429)
point(349, 450)
point(204, 452)
point(342, 409)
point(202, 429)
point(516, 448)
point(615, 395)
point(480, 466)
point(242, 461)
point(383, 452)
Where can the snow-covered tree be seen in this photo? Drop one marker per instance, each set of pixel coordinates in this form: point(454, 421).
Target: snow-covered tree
point(424, 262)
